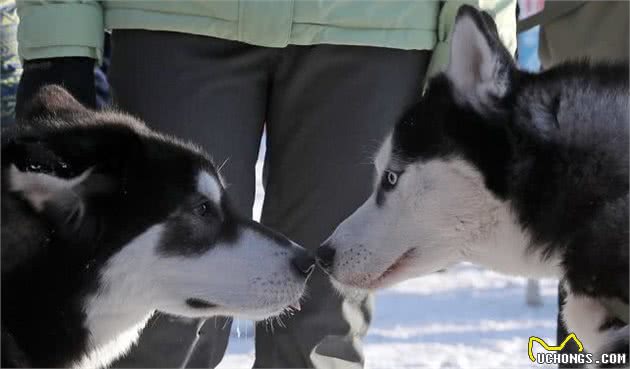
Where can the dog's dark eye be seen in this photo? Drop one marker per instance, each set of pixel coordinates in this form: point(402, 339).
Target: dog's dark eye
point(390, 179)
point(204, 209)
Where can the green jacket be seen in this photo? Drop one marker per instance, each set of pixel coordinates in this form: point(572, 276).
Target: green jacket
point(54, 28)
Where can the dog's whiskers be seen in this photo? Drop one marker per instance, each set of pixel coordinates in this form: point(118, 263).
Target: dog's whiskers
point(222, 165)
point(225, 323)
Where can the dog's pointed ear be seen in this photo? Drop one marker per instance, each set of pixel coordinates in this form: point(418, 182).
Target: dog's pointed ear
point(52, 100)
point(480, 67)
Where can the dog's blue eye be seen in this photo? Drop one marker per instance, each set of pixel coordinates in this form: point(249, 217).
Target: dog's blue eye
point(390, 179)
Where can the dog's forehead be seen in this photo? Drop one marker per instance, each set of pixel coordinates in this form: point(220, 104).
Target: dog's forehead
point(387, 157)
point(209, 185)
point(384, 155)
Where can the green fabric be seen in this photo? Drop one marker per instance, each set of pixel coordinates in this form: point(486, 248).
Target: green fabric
point(55, 29)
point(74, 27)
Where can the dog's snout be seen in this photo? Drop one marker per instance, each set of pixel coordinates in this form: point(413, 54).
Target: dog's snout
point(325, 255)
point(303, 263)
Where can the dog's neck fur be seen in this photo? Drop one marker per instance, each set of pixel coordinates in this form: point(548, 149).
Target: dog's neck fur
point(110, 325)
point(492, 236)
point(99, 327)
point(102, 353)
point(507, 248)
point(116, 314)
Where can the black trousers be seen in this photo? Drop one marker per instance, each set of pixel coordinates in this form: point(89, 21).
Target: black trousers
point(326, 109)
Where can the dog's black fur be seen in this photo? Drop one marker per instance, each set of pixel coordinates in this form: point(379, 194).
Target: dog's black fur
point(58, 261)
point(569, 185)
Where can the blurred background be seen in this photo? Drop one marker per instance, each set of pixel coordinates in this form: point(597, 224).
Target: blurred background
point(457, 318)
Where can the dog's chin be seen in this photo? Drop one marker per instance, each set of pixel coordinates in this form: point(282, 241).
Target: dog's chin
point(268, 312)
point(350, 292)
point(398, 271)
point(201, 308)
point(288, 305)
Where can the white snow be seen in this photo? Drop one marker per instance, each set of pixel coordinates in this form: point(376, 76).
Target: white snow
point(464, 317)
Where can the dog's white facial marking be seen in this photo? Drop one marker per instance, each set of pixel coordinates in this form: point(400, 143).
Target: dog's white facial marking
point(38, 188)
point(209, 186)
point(251, 277)
point(439, 213)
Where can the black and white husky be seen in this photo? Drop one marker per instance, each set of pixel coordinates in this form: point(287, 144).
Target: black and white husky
point(523, 173)
point(105, 222)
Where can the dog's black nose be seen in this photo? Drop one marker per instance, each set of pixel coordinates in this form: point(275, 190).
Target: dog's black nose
point(303, 263)
point(325, 255)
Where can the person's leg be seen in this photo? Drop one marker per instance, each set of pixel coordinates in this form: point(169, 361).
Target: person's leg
point(214, 93)
point(330, 108)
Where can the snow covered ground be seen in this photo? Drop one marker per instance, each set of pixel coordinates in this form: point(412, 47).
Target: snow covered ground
point(465, 317)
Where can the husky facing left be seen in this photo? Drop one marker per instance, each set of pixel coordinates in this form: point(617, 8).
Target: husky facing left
point(523, 173)
point(104, 222)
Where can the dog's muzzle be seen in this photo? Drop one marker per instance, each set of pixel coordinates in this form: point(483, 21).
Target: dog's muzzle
point(325, 256)
point(303, 263)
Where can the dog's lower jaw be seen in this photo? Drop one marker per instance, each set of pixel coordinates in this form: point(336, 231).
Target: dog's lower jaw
point(394, 271)
point(291, 304)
